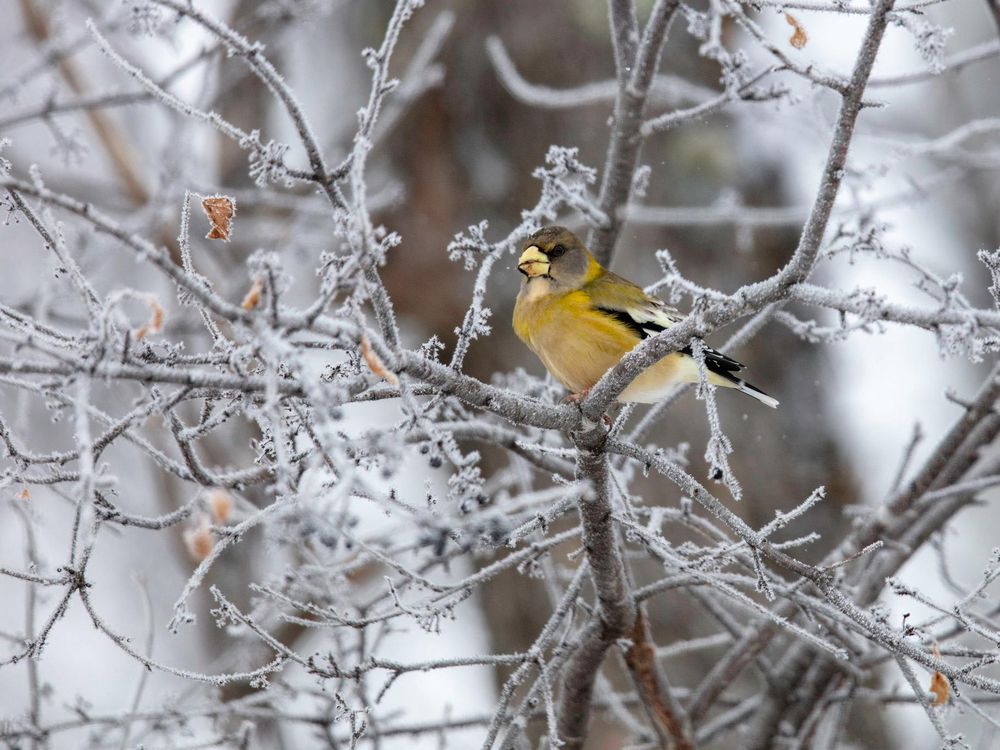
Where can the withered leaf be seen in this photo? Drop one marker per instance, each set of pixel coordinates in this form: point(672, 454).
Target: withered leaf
point(939, 683)
point(252, 298)
point(199, 538)
point(939, 686)
point(799, 36)
point(220, 210)
point(155, 324)
point(375, 364)
point(220, 503)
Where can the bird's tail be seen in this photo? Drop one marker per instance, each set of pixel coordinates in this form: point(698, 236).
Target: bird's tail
point(757, 393)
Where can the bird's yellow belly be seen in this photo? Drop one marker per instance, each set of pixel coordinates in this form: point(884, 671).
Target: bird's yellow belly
point(576, 344)
point(577, 361)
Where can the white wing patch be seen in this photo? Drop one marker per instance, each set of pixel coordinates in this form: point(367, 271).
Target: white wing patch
point(653, 316)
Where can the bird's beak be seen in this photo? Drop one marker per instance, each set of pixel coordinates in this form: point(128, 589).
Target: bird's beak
point(533, 262)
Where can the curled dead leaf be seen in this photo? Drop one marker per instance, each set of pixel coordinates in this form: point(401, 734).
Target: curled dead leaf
point(375, 364)
point(220, 503)
point(25, 494)
point(155, 324)
point(252, 299)
point(939, 686)
point(939, 683)
point(220, 210)
point(799, 36)
point(199, 539)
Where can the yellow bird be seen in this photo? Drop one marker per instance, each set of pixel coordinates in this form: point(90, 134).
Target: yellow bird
point(581, 319)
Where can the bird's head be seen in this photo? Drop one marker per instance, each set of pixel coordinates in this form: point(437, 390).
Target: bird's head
point(556, 254)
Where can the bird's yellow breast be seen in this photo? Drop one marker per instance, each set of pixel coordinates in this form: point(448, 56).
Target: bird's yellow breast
point(576, 343)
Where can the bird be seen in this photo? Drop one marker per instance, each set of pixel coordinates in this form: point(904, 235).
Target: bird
point(580, 319)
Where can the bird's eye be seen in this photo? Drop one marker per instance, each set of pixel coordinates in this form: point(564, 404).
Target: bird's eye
point(557, 251)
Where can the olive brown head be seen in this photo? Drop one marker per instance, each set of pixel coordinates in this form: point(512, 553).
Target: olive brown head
point(556, 254)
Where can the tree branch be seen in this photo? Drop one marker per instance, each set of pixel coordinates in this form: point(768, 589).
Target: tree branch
point(636, 64)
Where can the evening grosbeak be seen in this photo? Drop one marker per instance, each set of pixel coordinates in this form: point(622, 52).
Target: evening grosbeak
point(581, 319)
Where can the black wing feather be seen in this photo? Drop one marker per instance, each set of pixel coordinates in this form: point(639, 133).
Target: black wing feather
point(642, 330)
point(716, 362)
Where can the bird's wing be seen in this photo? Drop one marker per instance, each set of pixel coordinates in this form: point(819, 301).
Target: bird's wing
point(646, 316)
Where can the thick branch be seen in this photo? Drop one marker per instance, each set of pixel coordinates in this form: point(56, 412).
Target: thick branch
point(618, 616)
point(616, 610)
point(636, 66)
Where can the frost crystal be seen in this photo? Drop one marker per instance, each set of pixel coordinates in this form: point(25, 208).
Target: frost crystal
point(267, 160)
point(5, 165)
point(930, 39)
point(991, 259)
point(144, 17)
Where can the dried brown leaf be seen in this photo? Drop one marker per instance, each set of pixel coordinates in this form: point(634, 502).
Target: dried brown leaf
point(199, 539)
point(155, 324)
point(939, 683)
point(253, 296)
point(799, 36)
point(25, 494)
point(220, 210)
point(220, 503)
point(939, 686)
point(375, 364)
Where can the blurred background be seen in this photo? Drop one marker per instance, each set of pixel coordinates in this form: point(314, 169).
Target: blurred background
point(462, 151)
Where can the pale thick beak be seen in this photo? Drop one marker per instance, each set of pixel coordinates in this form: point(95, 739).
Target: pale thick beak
point(533, 262)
